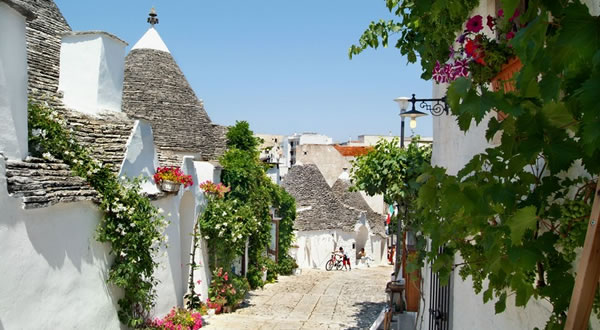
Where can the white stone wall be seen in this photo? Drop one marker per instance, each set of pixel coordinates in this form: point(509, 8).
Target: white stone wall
point(315, 247)
point(91, 71)
point(13, 83)
point(53, 270)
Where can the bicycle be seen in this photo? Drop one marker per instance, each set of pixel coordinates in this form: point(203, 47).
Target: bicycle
point(335, 261)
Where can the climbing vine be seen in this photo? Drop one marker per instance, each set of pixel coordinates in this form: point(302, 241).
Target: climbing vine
point(245, 212)
point(131, 224)
point(516, 213)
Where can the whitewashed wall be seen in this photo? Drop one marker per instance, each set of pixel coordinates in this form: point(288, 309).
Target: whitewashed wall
point(52, 266)
point(13, 83)
point(315, 247)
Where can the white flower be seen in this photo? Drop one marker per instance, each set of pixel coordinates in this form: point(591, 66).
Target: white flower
point(221, 234)
point(133, 261)
point(44, 133)
point(161, 211)
point(164, 254)
point(47, 155)
point(217, 226)
point(123, 254)
point(132, 225)
point(225, 224)
point(36, 132)
point(169, 214)
point(234, 239)
point(224, 213)
point(206, 237)
point(166, 238)
point(123, 233)
point(239, 236)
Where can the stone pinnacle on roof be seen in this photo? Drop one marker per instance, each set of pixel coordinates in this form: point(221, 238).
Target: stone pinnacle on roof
point(151, 39)
point(152, 19)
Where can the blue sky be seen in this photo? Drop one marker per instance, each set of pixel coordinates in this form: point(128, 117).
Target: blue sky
point(281, 65)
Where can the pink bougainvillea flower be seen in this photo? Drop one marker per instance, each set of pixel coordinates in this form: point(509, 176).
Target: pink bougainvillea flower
point(500, 12)
point(510, 35)
point(490, 22)
point(515, 15)
point(475, 24)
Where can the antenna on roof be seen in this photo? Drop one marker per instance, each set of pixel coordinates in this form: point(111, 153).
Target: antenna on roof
point(152, 19)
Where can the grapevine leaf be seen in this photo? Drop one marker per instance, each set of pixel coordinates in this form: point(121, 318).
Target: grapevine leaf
point(500, 305)
point(557, 114)
point(525, 218)
point(488, 294)
point(579, 35)
point(524, 290)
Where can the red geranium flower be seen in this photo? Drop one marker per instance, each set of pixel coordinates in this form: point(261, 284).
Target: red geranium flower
point(510, 35)
point(470, 47)
point(475, 24)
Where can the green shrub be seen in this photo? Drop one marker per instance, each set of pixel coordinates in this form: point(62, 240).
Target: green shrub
point(286, 265)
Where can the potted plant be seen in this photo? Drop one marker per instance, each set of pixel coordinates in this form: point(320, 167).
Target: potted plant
point(481, 56)
point(170, 179)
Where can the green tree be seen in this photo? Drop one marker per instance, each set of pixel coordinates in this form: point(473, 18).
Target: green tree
point(393, 172)
point(516, 212)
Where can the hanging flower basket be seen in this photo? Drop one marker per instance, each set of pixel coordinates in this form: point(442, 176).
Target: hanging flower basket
point(170, 179)
point(170, 186)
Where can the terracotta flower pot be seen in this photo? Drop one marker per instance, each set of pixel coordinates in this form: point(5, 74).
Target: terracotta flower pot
point(170, 186)
point(504, 79)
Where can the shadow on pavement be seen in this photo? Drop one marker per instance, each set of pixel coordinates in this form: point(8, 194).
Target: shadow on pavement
point(367, 313)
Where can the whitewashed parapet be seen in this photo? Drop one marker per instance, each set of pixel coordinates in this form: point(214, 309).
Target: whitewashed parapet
point(91, 71)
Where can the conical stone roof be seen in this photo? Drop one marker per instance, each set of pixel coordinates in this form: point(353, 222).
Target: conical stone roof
point(341, 189)
point(316, 205)
point(156, 90)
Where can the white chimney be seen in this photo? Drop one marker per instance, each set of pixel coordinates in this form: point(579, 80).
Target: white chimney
point(91, 71)
point(13, 80)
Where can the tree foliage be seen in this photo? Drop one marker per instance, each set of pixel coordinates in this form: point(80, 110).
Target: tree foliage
point(426, 29)
point(392, 171)
point(248, 205)
point(517, 212)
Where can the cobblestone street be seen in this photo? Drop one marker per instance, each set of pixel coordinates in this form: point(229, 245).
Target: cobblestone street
point(317, 299)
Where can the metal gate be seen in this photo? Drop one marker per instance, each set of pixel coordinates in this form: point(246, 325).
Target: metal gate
point(439, 303)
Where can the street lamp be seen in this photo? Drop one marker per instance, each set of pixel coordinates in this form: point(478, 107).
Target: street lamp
point(436, 108)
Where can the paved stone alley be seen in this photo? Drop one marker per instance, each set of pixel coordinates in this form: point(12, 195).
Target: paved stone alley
point(317, 299)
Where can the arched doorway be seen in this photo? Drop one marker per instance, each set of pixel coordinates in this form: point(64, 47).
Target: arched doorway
point(362, 235)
